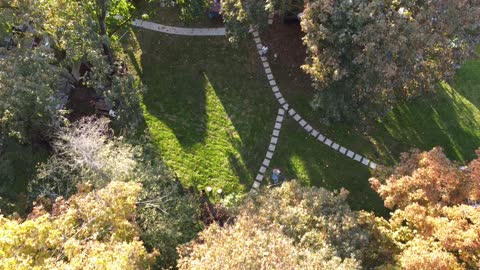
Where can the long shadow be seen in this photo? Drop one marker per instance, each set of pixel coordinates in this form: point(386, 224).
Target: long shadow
point(175, 70)
point(441, 119)
point(325, 167)
point(175, 87)
point(243, 92)
point(467, 80)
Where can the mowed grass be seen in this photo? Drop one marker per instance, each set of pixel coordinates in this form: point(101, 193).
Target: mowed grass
point(210, 112)
point(449, 117)
point(205, 108)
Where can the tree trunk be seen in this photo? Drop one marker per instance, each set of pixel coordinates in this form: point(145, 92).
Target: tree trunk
point(102, 16)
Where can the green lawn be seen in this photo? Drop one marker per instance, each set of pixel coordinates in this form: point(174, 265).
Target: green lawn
point(449, 118)
point(205, 108)
point(210, 112)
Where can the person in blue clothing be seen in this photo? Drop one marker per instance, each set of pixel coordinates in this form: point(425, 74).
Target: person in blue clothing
point(215, 10)
point(276, 176)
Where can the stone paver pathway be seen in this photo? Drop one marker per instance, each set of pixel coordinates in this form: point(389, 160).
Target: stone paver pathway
point(179, 30)
point(302, 122)
point(285, 108)
point(270, 150)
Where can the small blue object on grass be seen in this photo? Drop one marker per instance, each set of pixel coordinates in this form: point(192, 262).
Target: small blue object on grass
point(277, 177)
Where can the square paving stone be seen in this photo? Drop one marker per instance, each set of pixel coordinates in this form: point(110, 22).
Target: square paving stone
point(274, 140)
point(265, 64)
point(271, 147)
point(270, 77)
point(266, 162)
point(328, 142)
point(365, 161)
point(302, 122)
point(273, 83)
point(285, 106)
point(357, 157)
point(321, 138)
point(257, 40)
point(270, 21)
point(256, 185)
point(275, 89)
point(350, 154)
point(343, 150)
point(281, 112)
point(297, 117)
point(373, 165)
point(279, 118)
point(263, 58)
point(268, 70)
point(259, 46)
point(276, 132)
point(308, 128)
point(278, 126)
point(314, 133)
point(269, 155)
point(259, 177)
point(278, 95)
point(291, 112)
point(281, 100)
point(255, 34)
point(335, 146)
point(263, 169)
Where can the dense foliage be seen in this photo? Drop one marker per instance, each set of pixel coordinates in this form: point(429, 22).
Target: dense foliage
point(364, 56)
point(192, 9)
point(436, 222)
point(41, 42)
point(91, 230)
point(88, 151)
point(239, 15)
point(291, 227)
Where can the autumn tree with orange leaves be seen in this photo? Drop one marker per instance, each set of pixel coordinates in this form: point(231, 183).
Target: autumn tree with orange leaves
point(435, 222)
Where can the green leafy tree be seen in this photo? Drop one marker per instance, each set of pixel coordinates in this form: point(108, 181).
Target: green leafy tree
point(364, 56)
point(192, 9)
point(239, 15)
point(28, 82)
point(290, 227)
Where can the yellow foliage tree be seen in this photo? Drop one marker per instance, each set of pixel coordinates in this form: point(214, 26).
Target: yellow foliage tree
point(92, 230)
point(291, 227)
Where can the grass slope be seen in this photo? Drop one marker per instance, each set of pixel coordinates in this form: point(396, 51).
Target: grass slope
point(205, 108)
point(449, 118)
point(210, 112)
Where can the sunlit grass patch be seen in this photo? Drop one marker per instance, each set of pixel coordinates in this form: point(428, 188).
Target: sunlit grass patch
point(206, 162)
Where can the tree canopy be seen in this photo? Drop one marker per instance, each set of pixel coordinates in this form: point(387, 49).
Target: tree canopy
point(364, 56)
point(91, 230)
point(291, 227)
point(436, 222)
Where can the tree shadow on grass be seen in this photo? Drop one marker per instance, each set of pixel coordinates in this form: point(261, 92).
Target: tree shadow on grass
point(443, 119)
point(180, 72)
point(322, 166)
point(467, 81)
point(175, 89)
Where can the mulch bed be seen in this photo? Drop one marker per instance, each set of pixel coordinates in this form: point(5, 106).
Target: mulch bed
point(285, 40)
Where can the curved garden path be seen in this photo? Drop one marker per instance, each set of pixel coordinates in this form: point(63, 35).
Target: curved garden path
point(179, 30)
point(284, 106)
